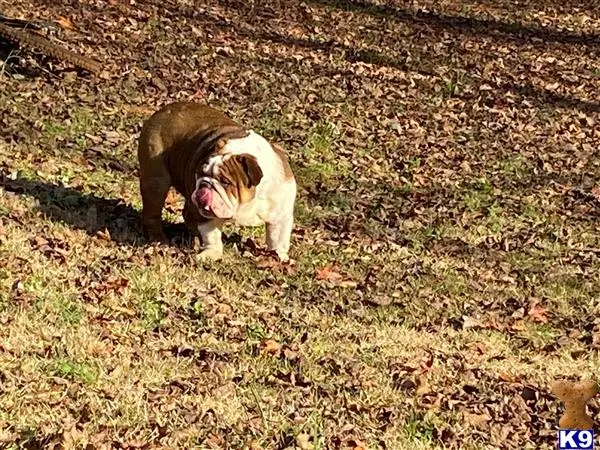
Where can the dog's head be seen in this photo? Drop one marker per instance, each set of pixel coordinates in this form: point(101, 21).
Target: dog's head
point(224, 183)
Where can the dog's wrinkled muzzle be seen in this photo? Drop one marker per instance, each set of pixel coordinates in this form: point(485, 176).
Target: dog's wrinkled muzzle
point(212, 201)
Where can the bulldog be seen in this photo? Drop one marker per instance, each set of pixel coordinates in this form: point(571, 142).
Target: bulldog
point(224, 171)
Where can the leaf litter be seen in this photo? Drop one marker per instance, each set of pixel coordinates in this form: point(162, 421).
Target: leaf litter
point(447, 227)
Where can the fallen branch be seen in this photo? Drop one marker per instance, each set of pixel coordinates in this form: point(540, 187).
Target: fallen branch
point(24, 37)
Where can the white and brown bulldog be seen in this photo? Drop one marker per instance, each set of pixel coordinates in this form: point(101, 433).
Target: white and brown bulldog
point(225, 172)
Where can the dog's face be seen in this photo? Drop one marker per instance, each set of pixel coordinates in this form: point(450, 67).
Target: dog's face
point(224, 183)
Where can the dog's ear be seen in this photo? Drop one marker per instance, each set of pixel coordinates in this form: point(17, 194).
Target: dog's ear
point(251, 168)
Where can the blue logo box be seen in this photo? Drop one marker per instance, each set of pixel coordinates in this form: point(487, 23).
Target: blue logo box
point(575, 439)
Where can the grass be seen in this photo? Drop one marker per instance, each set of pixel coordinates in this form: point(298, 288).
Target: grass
point(443, 192)
point(76, 371)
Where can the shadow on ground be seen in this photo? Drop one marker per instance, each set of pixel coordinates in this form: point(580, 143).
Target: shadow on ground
point(114, 217)
point(11, 62)
point(466, 25)
point(88, 212)
point(400, 59)
point(526, 90)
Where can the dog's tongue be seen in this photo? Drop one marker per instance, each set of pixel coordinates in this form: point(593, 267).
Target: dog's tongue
point(205, 196)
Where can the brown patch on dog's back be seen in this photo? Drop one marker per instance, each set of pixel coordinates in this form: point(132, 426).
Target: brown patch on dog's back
point(228, 134)
point(287, 170)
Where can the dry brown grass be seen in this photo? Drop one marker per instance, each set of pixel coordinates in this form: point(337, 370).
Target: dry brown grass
point(446, 249)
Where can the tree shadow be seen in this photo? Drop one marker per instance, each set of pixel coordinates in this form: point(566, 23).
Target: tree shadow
point(465, 25)
point(423, 66)
point(525, 90)
point(351, 54)
point(536, 5)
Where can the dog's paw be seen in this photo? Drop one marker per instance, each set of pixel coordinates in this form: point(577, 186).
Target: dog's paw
point(210, 254)
point(283, 256)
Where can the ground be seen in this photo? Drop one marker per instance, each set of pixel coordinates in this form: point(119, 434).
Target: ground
point(446, 247)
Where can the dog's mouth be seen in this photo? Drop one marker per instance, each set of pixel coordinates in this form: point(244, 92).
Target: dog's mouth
point(203, 199)
point(212, 201)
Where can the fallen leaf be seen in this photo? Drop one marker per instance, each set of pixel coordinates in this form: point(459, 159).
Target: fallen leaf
point(330, 274)
point(65, 23)
point(303, 441)
point(105, 235)
point(198, 95)
point(470, 322)
point(290, 354)
point(356, 444)
point(102, 349)
point(327, 273)
point(426, 362)
point(380, 300)
point(271, 346)
point(7, 436)
point(126, 311)
point(507, 377)
point(225, 51)
point(172, 198)
point(519, 325)
point(215, 439)
point(476, 420)
point(254, 445)
point(423, 386)
point(268, 263)
point(538, 313)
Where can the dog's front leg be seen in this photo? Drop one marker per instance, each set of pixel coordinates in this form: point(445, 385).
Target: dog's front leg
point(279, 235)
point(212, 242)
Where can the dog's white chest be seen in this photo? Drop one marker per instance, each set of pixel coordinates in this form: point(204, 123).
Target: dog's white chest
point(250, 215)
point(249, 221)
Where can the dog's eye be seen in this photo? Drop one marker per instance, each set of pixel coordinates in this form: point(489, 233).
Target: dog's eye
point(225, 183)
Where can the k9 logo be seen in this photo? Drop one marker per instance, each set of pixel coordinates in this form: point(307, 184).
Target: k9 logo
point(575, 439)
